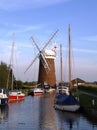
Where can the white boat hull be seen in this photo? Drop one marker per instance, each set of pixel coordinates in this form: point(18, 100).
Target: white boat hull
point(3, 97)
point(36, 92)
point(70, 108)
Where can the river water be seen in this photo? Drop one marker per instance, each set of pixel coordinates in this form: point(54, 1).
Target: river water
point(37, 113)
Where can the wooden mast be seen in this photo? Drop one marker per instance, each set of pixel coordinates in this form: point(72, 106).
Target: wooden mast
point(61, 61)
point(70, 65)
point(11, 66)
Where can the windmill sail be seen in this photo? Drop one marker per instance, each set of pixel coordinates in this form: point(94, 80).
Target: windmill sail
point(31, 63)
point(44, 62)
point(50, 39)
point(42, 57)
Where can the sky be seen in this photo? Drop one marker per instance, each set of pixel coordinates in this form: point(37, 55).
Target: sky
point(40, 19)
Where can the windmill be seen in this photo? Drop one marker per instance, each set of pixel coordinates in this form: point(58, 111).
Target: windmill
point(46, 63)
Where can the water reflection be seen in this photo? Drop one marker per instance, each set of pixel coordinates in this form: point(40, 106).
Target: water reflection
point(37, 113)
point(47, 113)
point(3, 113)
point(51, 119)
point(91, 116)
point(67, 120)
point(24, 115)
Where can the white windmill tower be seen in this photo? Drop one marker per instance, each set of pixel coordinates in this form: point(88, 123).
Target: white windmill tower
point(46, 63)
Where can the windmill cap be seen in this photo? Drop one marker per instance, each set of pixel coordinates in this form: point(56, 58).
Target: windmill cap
point(50, 54)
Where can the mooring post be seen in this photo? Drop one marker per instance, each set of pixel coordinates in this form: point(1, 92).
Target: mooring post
point(93, 102)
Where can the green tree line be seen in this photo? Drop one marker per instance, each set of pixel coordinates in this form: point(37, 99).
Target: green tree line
point(6, 79)
point(4, 72)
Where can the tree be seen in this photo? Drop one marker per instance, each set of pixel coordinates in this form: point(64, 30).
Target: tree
point(6, 76)
point(19, 84)
point(3, 74)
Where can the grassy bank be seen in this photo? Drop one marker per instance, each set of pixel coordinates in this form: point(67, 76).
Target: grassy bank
point(87, 96)
point(87, 100)
point(90, 88)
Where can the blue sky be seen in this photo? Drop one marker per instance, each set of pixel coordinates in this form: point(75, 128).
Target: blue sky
point(40, 18)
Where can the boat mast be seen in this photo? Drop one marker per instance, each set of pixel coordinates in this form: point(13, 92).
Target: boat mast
point(70, 66)
point(61, 61)
point(12, 61)
point(11, 66)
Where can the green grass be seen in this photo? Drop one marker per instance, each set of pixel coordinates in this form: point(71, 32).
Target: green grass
point(89, 88)
point(85, 100)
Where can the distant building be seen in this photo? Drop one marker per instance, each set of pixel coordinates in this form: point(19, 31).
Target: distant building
point(76, 82)
point(95, 82)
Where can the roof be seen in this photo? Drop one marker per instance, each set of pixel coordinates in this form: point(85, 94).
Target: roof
point(78, 80)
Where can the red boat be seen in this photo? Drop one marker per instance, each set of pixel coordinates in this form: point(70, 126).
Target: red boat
point(36, 92)
point(16, 96)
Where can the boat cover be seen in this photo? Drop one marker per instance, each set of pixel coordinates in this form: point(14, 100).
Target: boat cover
point(64, 99)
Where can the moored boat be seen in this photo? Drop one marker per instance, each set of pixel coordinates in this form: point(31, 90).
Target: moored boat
point(3, 96)
point(36, 92)
point(16, 95)
point(64, 100)
point(48, 88)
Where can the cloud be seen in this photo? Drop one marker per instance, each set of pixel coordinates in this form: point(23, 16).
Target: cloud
point(90, 38)
point(81, 50)
point(23, 27)
point(85, 50)
point(19, 30)
point(23, 4)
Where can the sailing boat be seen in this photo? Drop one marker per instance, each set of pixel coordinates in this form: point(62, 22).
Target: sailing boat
point(14, 95)
point(37, 91)
point(66, 101)
point(3, 96)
